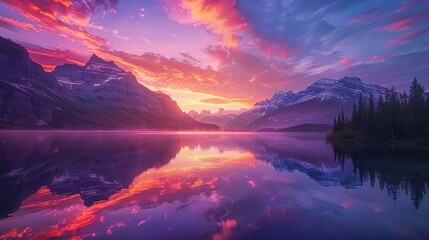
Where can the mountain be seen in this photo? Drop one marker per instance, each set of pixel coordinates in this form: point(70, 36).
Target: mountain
point(220, 118)
point(98, 95)
point(318, 103)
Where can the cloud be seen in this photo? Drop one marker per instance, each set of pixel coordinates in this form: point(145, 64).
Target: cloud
point(218, 53)
point(405, 38)
point(363, 16)
point(216, 100)
point(142, 12)
point(219, 17)
point(346, 61)
point(73, 12)
point(15, 25)
point(119, 36)
point(395, 71)
point(95, 26)
point(50, 58)
point(408, 4)
point(242, 76)
point(404, 22)
point(162, 71)
point(378, 58)
point(65, 17)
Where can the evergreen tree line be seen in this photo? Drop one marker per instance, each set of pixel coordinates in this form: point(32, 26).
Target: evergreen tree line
point(396, 116)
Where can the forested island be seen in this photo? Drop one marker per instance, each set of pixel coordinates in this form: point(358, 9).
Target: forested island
point(394, 117)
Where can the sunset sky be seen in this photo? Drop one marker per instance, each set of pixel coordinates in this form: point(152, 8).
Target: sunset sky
point(210, 54)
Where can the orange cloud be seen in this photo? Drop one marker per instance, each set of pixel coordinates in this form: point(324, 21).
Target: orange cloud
point(219, 17)
point(162, 71)
point(216, 100)
point(241, 76)
point(64, 17)
point(223, 19)
point(226, 229)
point(50, 58)
point(13, 24)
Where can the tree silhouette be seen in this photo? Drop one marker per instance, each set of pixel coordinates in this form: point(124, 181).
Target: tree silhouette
point(395, 117)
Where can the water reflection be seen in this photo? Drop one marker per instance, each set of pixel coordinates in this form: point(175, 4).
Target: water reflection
point(399, 169)
point(207, 186)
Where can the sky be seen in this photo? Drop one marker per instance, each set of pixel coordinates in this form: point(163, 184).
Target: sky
point(211, 54)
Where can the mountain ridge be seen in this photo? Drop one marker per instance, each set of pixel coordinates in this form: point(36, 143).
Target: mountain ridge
point(98, 95)
point(318, 103)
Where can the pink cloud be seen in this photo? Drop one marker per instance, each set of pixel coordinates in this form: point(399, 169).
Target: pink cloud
point(401, 24)
point(408, 4)
point(218, 53)
point(346, 61)
point(362, 16)
point(142, 12)
point(405, 22)
point(406, 38)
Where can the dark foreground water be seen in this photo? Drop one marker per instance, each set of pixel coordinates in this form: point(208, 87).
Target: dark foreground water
point(209, 186)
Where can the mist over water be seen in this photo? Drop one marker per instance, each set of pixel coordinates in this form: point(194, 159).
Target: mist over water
point(176, 185)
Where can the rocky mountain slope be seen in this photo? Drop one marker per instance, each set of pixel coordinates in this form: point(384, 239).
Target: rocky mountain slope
point(318, 103)
point(98, 95)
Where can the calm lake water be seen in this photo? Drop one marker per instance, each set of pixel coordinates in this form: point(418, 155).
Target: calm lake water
point(133, 185)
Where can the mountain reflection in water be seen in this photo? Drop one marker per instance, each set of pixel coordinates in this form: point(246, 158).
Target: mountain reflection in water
point(208, 186)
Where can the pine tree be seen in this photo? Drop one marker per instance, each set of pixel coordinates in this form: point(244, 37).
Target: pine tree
point(355, 123)
point(371, 117)
point(405, 117)
point(359, 117)
point(397, 116)
point(335, 129)
point(339, 123)
point(426, 120)
point(416, 103)
point(381, 119)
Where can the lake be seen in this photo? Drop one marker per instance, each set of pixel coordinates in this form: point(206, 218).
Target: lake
point(143, 185)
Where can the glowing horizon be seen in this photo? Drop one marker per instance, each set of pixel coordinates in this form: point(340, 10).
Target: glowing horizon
point(228, 54)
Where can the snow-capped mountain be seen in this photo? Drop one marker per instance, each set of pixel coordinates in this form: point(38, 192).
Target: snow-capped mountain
point(344, 89)
point(97, 95)
point(220, 118)
point(95, 73)
point(102, 82)
point(280, 98)
point(318, 103)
